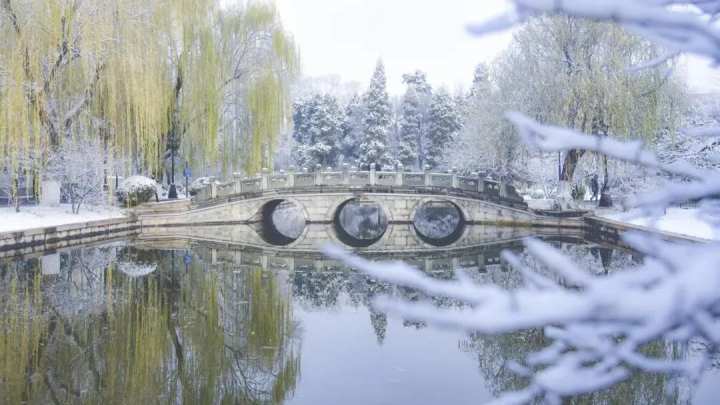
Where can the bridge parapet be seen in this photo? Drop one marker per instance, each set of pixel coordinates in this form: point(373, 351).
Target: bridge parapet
point(287, 181)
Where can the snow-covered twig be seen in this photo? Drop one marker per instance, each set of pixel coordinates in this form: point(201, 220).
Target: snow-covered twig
point(670, 23)
point(551, 138)
point(654, 62)
point(599, 323)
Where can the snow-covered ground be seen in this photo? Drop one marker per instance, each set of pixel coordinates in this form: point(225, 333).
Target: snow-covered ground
point(39, 217)
point(685, 221)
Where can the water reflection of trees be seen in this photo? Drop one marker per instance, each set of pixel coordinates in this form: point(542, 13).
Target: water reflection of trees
point(335, 286)
point(184, 334)
point(496, 354)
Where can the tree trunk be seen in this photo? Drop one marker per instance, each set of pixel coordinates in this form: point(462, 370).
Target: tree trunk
point(572, 157)
point(605, 199)
point(15, 191)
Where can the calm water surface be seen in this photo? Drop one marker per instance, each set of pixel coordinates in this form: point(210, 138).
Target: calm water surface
point(189, 322)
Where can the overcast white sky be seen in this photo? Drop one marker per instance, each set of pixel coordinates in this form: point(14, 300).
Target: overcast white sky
point(346, 37)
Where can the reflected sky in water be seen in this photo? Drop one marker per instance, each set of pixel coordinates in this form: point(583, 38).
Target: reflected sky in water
point(192, 322)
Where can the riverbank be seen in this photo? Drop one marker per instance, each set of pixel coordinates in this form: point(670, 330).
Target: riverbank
point(688, 221)
point(31, 217)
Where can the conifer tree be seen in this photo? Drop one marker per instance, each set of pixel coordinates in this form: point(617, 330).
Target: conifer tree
point(317, 129)
point(417, 81)
point(352, 128)
point(411, 123)
point(374, 144)
point(444, 125)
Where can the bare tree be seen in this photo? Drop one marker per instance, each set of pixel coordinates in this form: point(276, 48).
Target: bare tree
point(79, 165)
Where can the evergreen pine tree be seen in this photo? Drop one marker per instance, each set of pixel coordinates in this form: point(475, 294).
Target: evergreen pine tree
point(317, 124)
point(444, 125)
point(374, 144)
point(352, 129)
point(417, 81)
point(411, 123)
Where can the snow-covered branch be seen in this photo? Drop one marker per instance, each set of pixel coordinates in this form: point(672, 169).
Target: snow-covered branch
point(678, 25)
point(600, 324)
point(550, 138)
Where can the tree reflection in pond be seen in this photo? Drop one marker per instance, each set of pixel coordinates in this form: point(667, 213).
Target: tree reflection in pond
point(184, 334)
point(119, 324)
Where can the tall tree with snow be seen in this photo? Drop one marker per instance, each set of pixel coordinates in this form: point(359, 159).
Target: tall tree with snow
point(317, 130)
point(578, 73)
point(486, 142)
point(374, 146)
point(352, 129)
point(411, 124)
point(444, 123)
point(417, 82)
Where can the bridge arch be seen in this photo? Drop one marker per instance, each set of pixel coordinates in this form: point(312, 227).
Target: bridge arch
point(370, 224)
point(291, 230)
point(439, 237)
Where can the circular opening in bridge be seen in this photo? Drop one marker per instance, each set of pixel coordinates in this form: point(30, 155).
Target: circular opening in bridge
point(282, 223)
point(439, 223)
point(360, 223)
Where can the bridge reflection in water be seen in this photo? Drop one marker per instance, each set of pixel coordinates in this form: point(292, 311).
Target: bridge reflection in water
point(163, 314)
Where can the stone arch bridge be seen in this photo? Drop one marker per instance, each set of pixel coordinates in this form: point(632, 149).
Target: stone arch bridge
point(394, 198)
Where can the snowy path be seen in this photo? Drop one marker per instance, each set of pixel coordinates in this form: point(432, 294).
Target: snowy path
point(683, 221)
point(39, 217)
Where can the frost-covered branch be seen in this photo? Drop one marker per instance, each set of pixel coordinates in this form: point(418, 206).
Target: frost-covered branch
point(600, 324)
point(679, 25)
point(550, 138)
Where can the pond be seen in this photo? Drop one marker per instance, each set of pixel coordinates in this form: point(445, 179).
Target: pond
point(180, 321)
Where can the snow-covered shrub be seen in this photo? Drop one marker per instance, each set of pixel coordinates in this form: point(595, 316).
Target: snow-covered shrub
point(201, 183)
point(79, 165)
point(136, 190)
point(135, 269)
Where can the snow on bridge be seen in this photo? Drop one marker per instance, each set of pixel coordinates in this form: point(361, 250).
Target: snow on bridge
point(373, 201)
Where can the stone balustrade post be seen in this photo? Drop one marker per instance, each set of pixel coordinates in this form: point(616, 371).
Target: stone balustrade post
point(290, 182)
point(399, 175)
point(265, 179)
point(455, 181)
point(428, 177)
point(318, 175)
point(213, 190)
point(372, 174)
point(346, 174)
point(237, 183)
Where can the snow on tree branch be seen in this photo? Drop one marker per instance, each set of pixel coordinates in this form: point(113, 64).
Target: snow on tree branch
point(661, 21)
point(551, 138)
point(600, 324)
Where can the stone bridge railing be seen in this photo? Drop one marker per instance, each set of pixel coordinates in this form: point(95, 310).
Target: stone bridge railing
point(474, 186)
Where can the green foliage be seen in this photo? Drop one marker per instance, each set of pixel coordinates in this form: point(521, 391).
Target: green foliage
point(136, 74)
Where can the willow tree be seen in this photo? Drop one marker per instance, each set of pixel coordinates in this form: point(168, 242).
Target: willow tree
point(139, 74)
point(259, 64)
point(579, 74)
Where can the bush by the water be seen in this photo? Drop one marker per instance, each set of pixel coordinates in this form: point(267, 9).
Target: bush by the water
point(137, 190)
